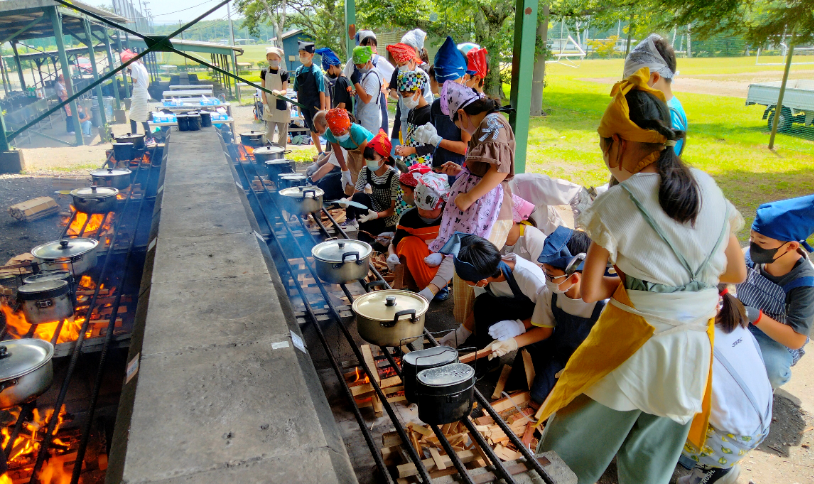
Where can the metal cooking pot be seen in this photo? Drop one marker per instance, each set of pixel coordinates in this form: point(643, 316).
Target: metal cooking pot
point(302, 200)
point(136, 139)
point(45, 302)
point(289, 180)
point(26, 370)
point(95, 199)
point(445, 393)
point(183, 122)
point(206, 119)
point(77, 255)
point(252, 138)
point(124, 151)
point(341, 261)
point(49, 276)
point(391, 317)
point(193, 121)
point(266, 153)
point(415, 362)
point(275, 167)
point(118, 178)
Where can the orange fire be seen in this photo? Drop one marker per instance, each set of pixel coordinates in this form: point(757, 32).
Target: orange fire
point(85, 282)
point(245, 153)
point(97, 220)
point(18, 327)
point(5, 479)
point(27, 444)
point(359, 377)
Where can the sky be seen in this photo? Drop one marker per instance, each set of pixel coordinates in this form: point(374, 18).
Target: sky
point(171, 11)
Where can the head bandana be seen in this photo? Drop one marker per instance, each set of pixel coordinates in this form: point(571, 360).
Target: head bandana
point(456, 96)
point(275, 50)
point(449, 63)
point(789, 220)
point(328, 58)
point(305, 46)
point(381, 144)
point(466, 47)
point(521, 209)
point(616, 120)
point(476, 62)
point(413, 174)
point(338, 120)
point(555, 250)
point(411, 81)
point(363, 34)
point(464, 270)
point(646, 55)
point(415, 39)
point(402, 53)
point(127, 55)
point(431, 190)
point(362, 55)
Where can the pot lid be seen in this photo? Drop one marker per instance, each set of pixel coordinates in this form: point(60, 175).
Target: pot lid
point(435, 356)
point(447, 375)
point(383, 305)
point(110, 172)
point(333, 250)
point(293, 176)
point(123, 144)
point(60, 249)
point(130, 135)
point(19, 357)
point(95, 192)
point(48, 276)
point(310, 192)
point(279, 161)
point(269, 149)
point(42, 290)
point(252, 134)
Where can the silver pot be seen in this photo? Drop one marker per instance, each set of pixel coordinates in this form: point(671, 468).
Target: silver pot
point(26, 370)
point(135, 138)
point(49, 276)
point(342, 261)
point(118, 178)
point(266, 153)
point(252, 138)
point(391, 317)
point(45, 302)
point(302, 200)
point(76, 255)
point(288, 180)
point(95, 199)
point(275, 167)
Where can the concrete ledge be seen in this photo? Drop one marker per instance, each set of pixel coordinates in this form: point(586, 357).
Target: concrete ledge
point(221, 394)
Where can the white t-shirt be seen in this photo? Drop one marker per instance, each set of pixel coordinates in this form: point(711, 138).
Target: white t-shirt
point(531, 281)
point(529, 245)
point(384, 68)
point(574, 307)
point(140, 76)
point(731, 411)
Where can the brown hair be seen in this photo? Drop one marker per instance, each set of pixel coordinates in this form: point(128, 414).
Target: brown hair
point(667, 53)
point(732, 313)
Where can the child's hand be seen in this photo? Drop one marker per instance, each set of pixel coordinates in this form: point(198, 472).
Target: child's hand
point(402, 150)
point(507, 329)
point(449, 168)
point(463, 201)
point(500, 348)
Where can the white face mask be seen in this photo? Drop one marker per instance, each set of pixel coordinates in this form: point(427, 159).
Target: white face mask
point(343, 137)
point(406, 67)
point(464, 126)
point(274, 64)
point(372, 165)
point(554, 287)
point(411, 102)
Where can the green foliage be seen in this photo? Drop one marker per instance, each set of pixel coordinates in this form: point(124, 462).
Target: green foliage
point(604, 48)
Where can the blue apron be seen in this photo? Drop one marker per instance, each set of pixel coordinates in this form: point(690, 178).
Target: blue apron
point(490, 309)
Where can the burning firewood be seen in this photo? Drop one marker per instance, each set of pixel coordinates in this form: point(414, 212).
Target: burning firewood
point(34, 209)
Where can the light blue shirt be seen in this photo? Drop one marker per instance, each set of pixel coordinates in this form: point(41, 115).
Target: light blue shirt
point(679, 119)
point(358, 135)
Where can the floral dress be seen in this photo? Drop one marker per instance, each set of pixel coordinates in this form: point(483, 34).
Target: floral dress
point(416, 118)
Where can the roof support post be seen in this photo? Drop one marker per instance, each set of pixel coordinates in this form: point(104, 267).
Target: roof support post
point(100, 99)
point(525, 35)
point(4, 75)
point(4, 146)
point(124, 74)
point(19, 65)
point(66, 71)
point(350, 26)
point(111, 63)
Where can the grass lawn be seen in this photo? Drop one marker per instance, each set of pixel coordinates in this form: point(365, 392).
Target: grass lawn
point(726, 138)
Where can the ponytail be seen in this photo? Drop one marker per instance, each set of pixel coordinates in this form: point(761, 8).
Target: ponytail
point(485, 105)
point(732, 313)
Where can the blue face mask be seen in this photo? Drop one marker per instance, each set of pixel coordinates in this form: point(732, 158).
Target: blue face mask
point(343, 137)
point(372, 165)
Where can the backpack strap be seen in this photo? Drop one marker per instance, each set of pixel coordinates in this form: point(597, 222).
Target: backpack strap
point(807, 281)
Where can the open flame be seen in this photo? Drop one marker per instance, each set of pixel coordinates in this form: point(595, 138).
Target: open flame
point(245, 153)
point(97, 221)
point(18, 327)
point(27, 444)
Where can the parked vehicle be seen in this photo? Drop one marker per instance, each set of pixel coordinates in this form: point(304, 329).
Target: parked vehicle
point(798, 102)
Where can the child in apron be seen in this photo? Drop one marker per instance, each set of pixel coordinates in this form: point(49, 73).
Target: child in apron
point(741, 409)
point(309, 83)
point(632, 388)
point(408, 182)
point(779, 291)
point(275, 111)
point(411, 87)
point(348, 142)
point(368, 84)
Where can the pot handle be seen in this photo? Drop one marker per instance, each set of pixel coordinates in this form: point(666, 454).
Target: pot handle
point(311, 191)
point(7, 384)
point(349, 254)
point(397, 316)
point(370, 285)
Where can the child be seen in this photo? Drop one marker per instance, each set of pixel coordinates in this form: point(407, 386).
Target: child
point(779, 292)
point(741, 400)
point(524, 239)
point(547, 192)
point(368, 84)
point(276, 114)
point(309, 83)
point(407, 60)
point(411, 86)
point(407, 183)
point(632, 389)
point(476, 62)
point(416, 228)
point(339, 88)
point(656, 53)
point(380, 173)
point(348, 142)
point(513, 289)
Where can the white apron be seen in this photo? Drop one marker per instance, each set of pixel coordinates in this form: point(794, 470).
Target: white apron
point(277, 111)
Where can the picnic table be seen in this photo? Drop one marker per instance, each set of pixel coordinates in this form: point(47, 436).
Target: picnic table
point(194, 107)
point(230, 121)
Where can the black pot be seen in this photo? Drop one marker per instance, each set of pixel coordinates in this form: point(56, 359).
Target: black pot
point(136, 139)
point(415, 362)
point(445, 394)
point(275, 167)
point(183, 122)
point(194, 121)
point(206, 119)
point(124, 151)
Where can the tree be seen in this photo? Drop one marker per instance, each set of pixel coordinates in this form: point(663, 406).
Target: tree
point(272, 12)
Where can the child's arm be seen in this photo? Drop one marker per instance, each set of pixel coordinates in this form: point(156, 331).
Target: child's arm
point(340, 157)
point(735, 272)
point(263, 93)
point(595, 285)
point(456, 146)
point(532, 336)
point(323, 170)
point(363, 95)
point(489, 181)
point(782, 333)
point(322, 101)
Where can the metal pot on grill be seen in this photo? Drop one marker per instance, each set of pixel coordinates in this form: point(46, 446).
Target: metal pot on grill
point(275, 167)
point(118, 178)
point(95, 199)
point(26, 370)
point(445, 394)
point(266, 153)
point(416, 361)
point(124, 151)
point(136, 139)
point(391, 317)
point(45, 301)
point(252, 138)
point(76, 255)
point(302, 200)
point(341, 261)
point(289, 180)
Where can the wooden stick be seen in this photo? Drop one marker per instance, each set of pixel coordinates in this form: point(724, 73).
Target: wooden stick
point(476, 356)
point(371, 364)
point(501, 382)
point(529, 367)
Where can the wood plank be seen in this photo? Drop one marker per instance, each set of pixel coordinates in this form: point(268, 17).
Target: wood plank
point(436, 456)
point(518, 398)
point(371, 364)
point(391, 439)
point(407, 470)
point(529, 367)
point(476, 355)
point(501, 382)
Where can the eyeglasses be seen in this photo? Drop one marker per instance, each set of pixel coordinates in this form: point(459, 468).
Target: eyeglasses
point(551, 278)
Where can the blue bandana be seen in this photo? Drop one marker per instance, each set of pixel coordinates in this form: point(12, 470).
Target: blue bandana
point(328, 58)
point(789, 220)
point(555, 251)
point(449, 63)
point(465, 270)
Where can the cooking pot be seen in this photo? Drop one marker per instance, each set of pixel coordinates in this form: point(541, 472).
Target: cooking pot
point(275, 167)
point(415, 362)
point(46, 301)
point(445, 393)
point(193, 121)
point(265, 153)
point(50, 276)
point(183, 122)
point(206, 119)
point(289, 180)
point(391, 317)
point(124, 151)
point(77, 255)
point(95, 199)
point(118, 178)
point(136, 139)
point(302, 200)
point(341, 261)
point(26, 370)
point(252, 138)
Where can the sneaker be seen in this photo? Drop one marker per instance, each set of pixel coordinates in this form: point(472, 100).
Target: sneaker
point(712, 475)
point(351, 225)
point(442, 295)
